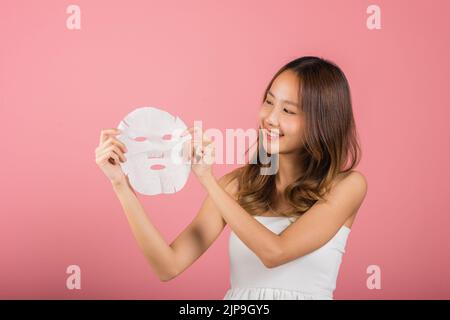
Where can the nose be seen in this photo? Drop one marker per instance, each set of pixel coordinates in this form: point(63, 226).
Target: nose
point(272, 118)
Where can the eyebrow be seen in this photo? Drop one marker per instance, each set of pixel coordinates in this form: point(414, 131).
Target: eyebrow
point(286, 101)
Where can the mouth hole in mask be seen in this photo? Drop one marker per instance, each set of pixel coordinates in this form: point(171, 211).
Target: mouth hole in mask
point(157, 167)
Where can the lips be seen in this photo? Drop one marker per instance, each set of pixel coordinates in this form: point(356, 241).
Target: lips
point(272, 135)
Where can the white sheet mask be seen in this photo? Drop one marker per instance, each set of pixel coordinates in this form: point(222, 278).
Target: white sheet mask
point(155, 161)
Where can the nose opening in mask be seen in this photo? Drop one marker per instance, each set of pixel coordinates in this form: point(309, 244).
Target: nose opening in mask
point(152, 155)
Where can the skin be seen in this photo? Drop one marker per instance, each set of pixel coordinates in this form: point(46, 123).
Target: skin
point(308, 233)
point(287, 118)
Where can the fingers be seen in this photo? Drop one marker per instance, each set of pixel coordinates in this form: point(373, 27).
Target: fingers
point(106, 132)
point(205, 155)
point(112, 151)
point(188, 130)
point(198, 144)
point(108, 140)
point(110, 157)
point(110, 148)
point(209, 154)
point(113, 158)
point(194, 143)
point(198, 136)
point(192, 130)
point(114, 141)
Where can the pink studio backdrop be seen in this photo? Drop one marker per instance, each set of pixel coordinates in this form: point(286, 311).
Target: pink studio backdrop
point(210, 61)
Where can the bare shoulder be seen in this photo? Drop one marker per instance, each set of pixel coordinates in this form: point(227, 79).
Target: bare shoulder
point(358, 181)
point(352, 180)
point(350, 187)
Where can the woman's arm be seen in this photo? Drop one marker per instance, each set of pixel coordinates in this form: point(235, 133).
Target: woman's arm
point(168, 261)
point(315, 228)
point(255, 235)
point(262, 241)
point(311, 231)
point(158, 253)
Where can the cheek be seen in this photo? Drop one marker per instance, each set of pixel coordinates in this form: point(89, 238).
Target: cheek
point(294, 128)
point(262, 113)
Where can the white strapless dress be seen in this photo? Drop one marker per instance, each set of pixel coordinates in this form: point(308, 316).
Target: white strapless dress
point(311, 277)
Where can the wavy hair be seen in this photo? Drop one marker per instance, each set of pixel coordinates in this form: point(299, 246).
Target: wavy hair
point(330, 143)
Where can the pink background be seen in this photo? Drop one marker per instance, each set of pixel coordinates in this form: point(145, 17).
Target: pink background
point(210, 61)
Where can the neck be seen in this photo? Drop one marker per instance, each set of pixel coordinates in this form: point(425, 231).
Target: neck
point(289, 169)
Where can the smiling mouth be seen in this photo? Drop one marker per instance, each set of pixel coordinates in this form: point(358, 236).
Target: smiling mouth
point(272, 135)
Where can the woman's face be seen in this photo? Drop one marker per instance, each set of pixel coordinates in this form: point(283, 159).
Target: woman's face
point(281, 116)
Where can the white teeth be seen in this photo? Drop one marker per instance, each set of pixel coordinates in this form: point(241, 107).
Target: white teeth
point(273, 133)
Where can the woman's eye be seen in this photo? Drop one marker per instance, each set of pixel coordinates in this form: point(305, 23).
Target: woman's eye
point(269, 102)
point(287, 111)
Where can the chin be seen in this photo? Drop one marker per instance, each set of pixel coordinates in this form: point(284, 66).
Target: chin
point(269, 149)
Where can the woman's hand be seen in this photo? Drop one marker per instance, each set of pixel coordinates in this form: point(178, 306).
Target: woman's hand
point(201, 152)
point(108, 154)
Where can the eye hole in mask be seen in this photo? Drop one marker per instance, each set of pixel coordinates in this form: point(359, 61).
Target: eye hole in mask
point(164, 137)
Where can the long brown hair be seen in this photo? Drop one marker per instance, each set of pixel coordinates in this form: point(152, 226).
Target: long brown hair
point(330, 143)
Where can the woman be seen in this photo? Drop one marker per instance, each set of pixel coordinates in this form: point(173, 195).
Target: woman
point(288, 229)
